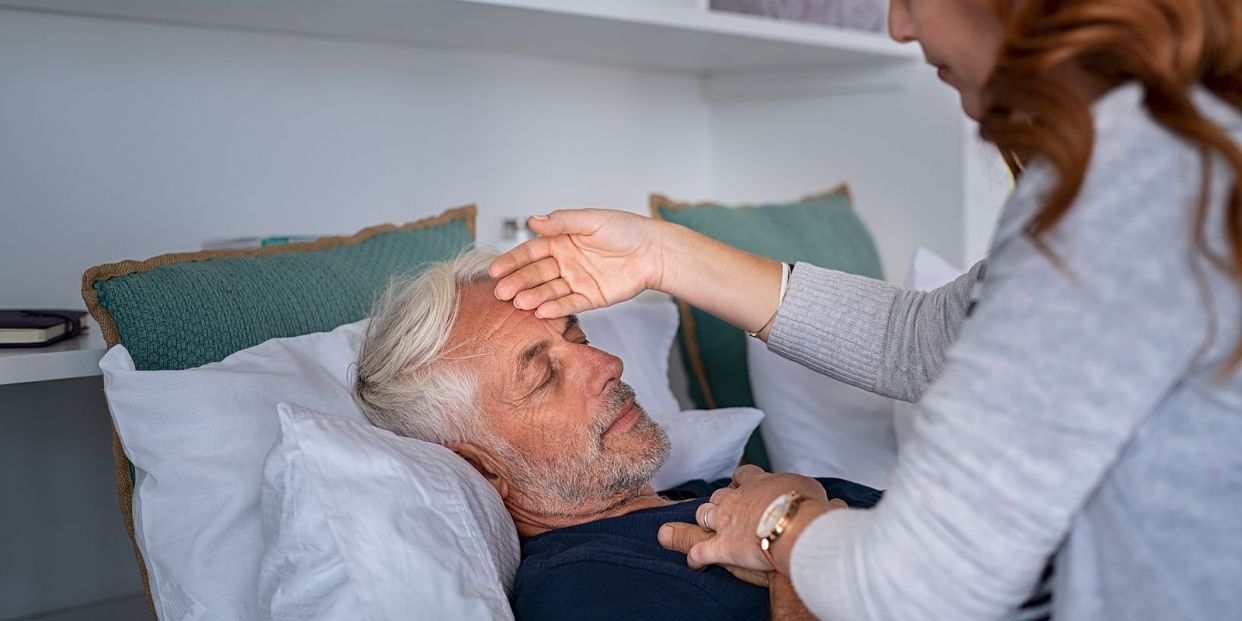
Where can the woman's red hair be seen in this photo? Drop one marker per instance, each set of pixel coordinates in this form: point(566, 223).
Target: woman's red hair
point(1167, 46)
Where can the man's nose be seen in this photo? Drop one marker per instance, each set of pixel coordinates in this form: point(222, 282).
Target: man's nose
point(900, 27)
point(603, 369)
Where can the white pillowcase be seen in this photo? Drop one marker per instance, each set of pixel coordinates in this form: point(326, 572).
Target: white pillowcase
point(363, 524)
point(197, 438)
point(818, 426)
point(706, 444)
point(928, 271)
point(640, 333)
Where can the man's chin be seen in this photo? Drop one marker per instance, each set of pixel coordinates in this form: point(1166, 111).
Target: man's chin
point(624, 465)
point(644, 445)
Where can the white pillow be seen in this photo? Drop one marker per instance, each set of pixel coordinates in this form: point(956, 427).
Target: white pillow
point(706, 444)
point(928, 271)
point(197, 438)
point(818, 426)
point(641, 334)
point(362, 524)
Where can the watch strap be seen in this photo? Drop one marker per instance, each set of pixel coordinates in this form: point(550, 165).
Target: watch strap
point(765, 543)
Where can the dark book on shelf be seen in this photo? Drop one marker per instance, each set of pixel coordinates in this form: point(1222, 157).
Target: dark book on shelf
point(38, 327)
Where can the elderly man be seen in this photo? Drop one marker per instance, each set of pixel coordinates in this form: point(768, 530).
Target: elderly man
point(547, 420)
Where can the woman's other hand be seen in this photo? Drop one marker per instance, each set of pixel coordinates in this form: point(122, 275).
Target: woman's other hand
point(582, 259)
point(733, 513)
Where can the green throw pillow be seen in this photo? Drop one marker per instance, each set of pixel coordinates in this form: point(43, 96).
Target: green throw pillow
point(822, 230)
point(185, 310)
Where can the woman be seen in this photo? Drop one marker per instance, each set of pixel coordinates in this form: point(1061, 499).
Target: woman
point(1089, 410)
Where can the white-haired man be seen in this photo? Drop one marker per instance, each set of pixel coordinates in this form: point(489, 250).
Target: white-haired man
point(547, 420)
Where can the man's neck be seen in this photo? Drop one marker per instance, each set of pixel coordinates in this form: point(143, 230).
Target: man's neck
point(530, 523)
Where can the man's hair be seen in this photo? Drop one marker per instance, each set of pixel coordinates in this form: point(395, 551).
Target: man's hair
point(402, 384)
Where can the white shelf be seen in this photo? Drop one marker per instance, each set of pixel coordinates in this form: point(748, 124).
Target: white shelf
point(634, 33)
point(76, 357)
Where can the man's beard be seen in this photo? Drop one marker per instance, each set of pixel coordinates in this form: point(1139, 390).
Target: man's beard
point(580, 478)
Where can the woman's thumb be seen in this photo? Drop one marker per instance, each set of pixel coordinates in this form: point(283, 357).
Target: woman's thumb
point(561, 221)
point(543, 225)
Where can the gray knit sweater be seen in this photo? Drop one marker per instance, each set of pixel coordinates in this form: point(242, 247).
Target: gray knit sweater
point(1071, 413)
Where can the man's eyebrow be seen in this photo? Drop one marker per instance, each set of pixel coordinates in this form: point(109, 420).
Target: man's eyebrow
point(531, 352)
point(534, 350)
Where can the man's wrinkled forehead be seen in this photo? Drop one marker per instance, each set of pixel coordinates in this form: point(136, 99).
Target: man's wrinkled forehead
point(488, 326)
point(480, 318)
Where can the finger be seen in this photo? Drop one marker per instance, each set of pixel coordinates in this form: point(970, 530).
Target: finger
point(568, 305)
point(551, 290)
point(702, 515)
point(528, 277)
point(704, 553)
point(837, 503)
point(680, 537)
point(719, 495)
point(526, 253)
point(565, 222)
point(745, 473)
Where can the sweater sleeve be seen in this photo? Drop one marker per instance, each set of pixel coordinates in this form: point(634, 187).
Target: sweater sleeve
point(1055, 371)
point(869, 333)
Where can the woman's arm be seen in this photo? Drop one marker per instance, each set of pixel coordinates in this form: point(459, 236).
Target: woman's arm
point(868, 333)
point(862, 331)
point(591, 258)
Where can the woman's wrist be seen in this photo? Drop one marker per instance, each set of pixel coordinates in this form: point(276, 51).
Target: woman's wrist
point(732, 284)
point(808, 511)
point(669, 242)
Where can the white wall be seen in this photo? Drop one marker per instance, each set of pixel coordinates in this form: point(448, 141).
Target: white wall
point(987, 183)
point(899, 151)
point(122, 140)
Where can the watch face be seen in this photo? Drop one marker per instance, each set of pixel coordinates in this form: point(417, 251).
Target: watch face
point(771, 516)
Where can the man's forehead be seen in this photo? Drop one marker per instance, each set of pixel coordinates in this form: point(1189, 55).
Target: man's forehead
point(486, 324)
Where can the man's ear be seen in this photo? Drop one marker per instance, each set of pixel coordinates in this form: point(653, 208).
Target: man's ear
point(488, 466)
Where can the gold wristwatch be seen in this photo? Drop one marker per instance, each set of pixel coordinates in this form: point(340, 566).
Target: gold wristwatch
point(775, 521)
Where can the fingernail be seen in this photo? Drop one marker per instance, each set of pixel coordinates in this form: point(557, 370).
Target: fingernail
point(540, 217)
point(665, 532)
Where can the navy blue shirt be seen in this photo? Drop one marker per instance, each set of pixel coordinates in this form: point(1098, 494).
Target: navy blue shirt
point(616, 569)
